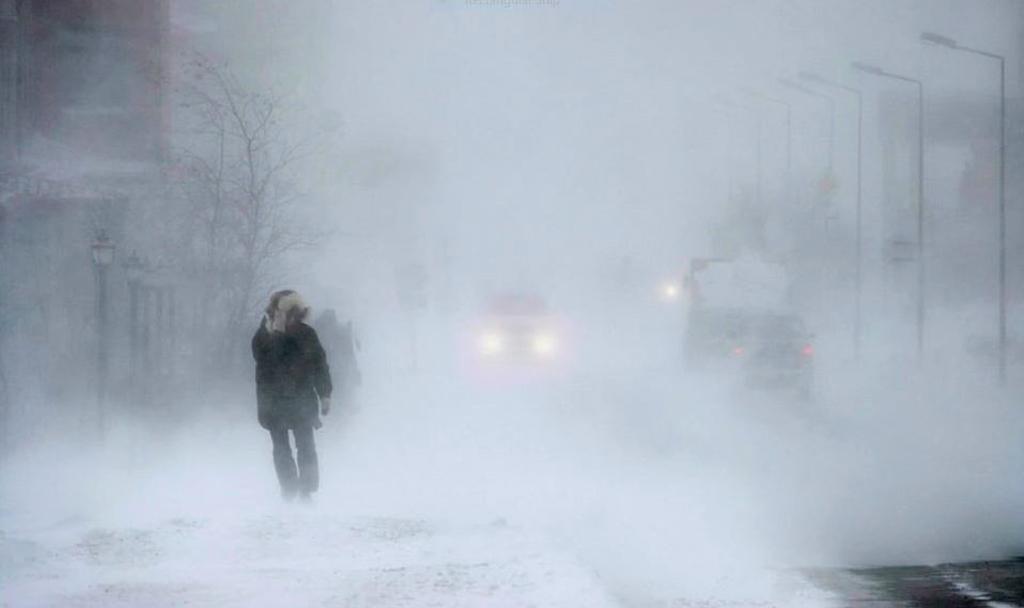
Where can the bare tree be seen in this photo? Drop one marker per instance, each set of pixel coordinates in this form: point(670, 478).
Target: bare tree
point(238, 173)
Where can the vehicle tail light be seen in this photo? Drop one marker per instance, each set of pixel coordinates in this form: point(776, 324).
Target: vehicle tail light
point(739, 351)
point(807, 350)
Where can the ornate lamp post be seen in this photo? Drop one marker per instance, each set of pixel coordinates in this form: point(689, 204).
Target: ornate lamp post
point(133, 269)
point(102, 257)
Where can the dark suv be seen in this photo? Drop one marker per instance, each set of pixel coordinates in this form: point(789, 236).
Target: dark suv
point(767, 350)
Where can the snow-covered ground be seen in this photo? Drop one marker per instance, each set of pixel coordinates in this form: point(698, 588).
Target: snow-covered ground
point(308, 557)
point(291, 556)
point(192, 537)
point(429, 498)
point(624, 487)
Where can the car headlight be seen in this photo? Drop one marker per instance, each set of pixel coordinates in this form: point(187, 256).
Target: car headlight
point(492, 343)
point(544, 344)
point(669, 291)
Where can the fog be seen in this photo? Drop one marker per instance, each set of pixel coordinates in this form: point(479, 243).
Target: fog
point(451, 176)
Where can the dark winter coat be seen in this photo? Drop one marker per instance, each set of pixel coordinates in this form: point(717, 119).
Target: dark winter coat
point(291, 376)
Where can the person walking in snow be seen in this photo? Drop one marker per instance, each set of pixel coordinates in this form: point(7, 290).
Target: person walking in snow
point(293, 389)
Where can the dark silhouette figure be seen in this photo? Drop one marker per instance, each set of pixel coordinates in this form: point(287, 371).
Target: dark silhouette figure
point(340, 343)
point(292, 380)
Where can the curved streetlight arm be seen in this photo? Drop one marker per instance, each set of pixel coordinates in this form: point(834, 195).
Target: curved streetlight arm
point(938, 39)
point(903, 78)
point(729, 102)
point(946, 41)
point(826, 82)
point(877, 71)
point(762, 96)
point(831, 113)
point(968, 49)
point(799, 87)
point(866, 67)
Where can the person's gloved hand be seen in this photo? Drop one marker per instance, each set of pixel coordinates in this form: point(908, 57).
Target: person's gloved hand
point(325, 406)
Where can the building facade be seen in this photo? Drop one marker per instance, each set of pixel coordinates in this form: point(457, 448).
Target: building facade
point(83, 137)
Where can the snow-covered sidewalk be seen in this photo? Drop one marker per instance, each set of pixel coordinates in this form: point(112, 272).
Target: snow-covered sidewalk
point(296, 556)
point(431, 498)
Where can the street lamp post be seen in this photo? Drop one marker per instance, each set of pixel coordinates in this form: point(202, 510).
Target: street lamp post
point(759, 173)
point(102, 257)
point(760, 161)
point(730, 144)
point(789, 137)
point(831, 115)
point(940, 40)
point(815, 78)
point(134, 269)
point(877, 71)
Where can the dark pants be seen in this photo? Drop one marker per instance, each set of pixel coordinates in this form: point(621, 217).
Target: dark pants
point(306, 479)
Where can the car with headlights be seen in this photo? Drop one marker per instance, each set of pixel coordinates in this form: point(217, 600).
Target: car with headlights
point(517, 330)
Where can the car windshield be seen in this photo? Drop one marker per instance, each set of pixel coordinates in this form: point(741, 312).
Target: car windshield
point(719, 325)
point(517, 305)
point(780, 329)
point(738, 325)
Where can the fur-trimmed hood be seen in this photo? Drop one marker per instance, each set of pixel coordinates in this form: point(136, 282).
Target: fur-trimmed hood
point(290, 307)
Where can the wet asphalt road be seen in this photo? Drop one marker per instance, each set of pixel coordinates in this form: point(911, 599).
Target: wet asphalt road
point(996, 584)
